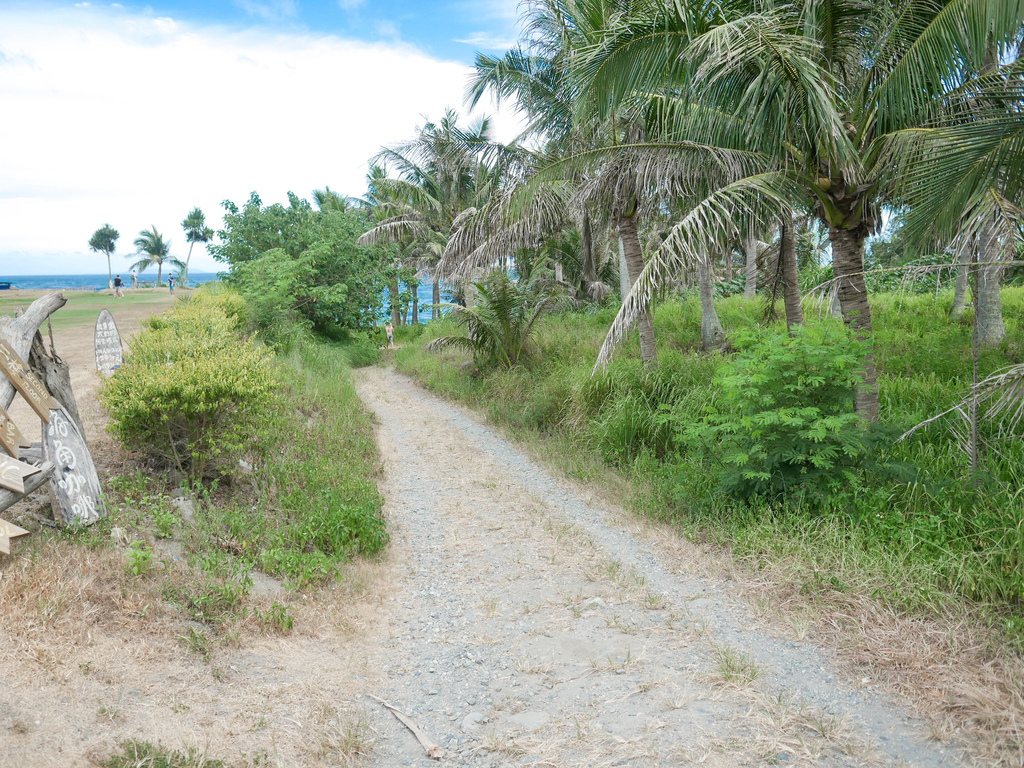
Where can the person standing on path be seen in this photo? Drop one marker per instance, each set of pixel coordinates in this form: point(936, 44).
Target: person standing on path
point(118, 286)
point(389, 329)
point(170, 281)
point(135, 279)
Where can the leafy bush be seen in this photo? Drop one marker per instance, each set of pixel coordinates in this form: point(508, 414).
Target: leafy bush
point(361, 350)
point(785, 416)
point(500, 324)
point(191, 389)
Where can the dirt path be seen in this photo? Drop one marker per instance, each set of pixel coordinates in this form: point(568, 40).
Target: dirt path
point(534, 627)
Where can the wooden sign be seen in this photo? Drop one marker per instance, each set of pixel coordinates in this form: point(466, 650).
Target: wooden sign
point(14, 472)
point(109, 354)
point(7, 532)
point(25, 382)
point(10, 436)
point(76, 486)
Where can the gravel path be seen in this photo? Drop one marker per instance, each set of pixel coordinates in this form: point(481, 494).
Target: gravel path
point(531, 627)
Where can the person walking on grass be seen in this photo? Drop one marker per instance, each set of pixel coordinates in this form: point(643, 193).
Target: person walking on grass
point(389, 329)
point(135, 279)
point(118, 287)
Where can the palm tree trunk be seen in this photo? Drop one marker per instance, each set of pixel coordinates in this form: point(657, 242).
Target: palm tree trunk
point(415, 305)
point(184, 275)
point(750, 249)
point(848, 264)
point(159, 273)
point(633, 258)
point(435, 312)
point(712, 335)
point(396, 314)
point(728, 266)
point(110, 274)
point(989, 302)
point(960, 289)
point(587, 246)
point(790, 281)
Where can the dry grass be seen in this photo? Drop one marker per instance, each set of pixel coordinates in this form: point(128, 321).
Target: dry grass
point(338, 737)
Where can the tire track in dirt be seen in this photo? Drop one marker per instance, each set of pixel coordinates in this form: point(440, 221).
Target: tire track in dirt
point(532, 627)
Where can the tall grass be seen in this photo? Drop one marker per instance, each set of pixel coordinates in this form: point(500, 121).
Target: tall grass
point(917, 531)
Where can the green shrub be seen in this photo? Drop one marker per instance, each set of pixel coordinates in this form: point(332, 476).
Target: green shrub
point(785, 418)
point(190, 390)
point(361, 350)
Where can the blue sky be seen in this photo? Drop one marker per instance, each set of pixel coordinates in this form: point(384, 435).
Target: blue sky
point(132, 114)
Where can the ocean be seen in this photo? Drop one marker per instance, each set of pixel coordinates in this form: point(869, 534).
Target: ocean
point(99, 282)
point(87, 282)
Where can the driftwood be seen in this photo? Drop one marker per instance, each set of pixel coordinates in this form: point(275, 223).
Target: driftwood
point(56, 375)
point(21, 331)
point(65, 458)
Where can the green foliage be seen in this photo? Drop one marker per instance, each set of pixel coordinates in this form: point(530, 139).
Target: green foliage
point(301, 268)
point(499, 325)
point(913, 531)
point(276, 617)
point(784, 419)
point(140, 559)
point(316, 503)
point(362, 349)
point(191, 390)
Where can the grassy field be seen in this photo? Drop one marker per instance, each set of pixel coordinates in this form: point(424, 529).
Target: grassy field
point(83, 307)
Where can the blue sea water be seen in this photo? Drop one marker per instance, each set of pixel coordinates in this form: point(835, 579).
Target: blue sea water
point(98, 282)
point(85, 282)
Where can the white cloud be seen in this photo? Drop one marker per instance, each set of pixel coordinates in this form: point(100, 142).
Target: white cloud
point(488, 41)
point(350, 5)
point(132, 120)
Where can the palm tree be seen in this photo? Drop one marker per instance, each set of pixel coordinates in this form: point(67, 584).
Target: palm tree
point(157, 250)
point(439, 175)
point(104, 240)
point(829, 98)
point(196, 231)
point(501, 321)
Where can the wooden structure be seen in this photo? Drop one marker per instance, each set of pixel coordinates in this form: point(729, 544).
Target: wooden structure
point(62, 456)
point(109, 352)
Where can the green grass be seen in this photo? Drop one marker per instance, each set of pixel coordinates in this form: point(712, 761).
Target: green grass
point(914, 530)
point(83, 307)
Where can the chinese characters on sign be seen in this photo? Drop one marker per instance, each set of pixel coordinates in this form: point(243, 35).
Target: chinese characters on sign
point(25, 382)
point(108, 344)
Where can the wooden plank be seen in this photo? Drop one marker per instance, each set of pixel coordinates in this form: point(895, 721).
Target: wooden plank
point(9, 531)
point(76, 486)
point(10, 436)
point(7, 498)
point(109, 350)
point(30, 387)
point(14, 472)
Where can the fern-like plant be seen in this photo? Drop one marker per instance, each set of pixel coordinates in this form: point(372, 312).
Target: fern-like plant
point(499, 325)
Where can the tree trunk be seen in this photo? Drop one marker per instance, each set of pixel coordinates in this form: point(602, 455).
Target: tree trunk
point(960, 291)
point(587, 246)
point(184, 275)
point(435, 311)
point(790, 281)
point(632, 256)
point(989, 303)
point(848, 264)
point(415, 305)
point(712, 335)
point(159, 273)
point(728, 265)
point(110, 274)
point(396, 313)
point(750, 249)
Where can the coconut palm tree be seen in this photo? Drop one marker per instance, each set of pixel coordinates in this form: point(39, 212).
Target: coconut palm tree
point(157, 250)
point(196, 231)
point(847, 104)
point(104, 240)
point(440, 173)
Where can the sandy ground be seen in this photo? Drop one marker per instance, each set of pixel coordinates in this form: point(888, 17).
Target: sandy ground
point(517, 620)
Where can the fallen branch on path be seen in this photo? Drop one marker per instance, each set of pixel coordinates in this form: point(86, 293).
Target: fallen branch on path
point(433, 750)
